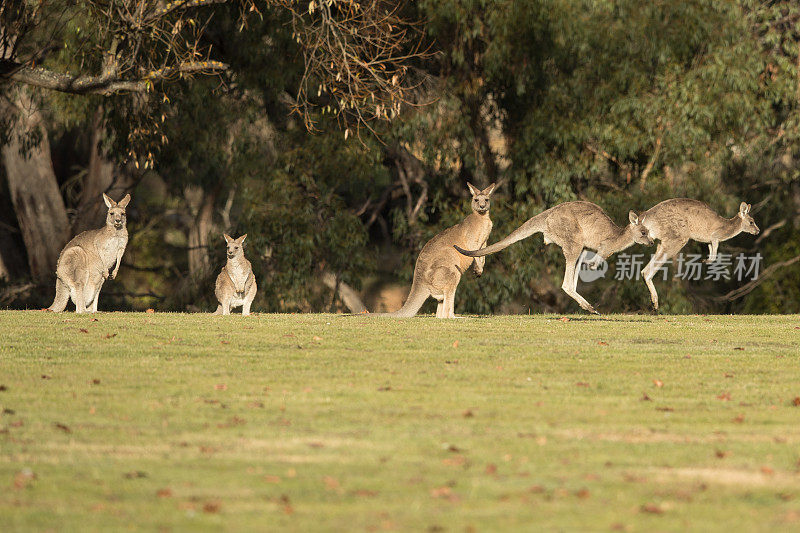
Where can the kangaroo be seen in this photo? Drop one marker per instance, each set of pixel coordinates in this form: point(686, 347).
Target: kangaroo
point(84, 262)
point(574, 226)
point(439, 267)
point(676, 221)
point(236, 285)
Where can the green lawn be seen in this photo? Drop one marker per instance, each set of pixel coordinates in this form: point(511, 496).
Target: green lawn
point(323, 422)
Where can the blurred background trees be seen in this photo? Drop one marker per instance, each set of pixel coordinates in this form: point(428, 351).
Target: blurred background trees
point(340, 136)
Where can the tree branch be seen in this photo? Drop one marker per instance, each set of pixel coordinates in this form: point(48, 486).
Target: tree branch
point(748, 287)
point(107, 83)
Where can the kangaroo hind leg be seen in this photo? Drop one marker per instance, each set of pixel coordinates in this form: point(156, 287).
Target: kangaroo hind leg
point(571, 256)
point(664, 253)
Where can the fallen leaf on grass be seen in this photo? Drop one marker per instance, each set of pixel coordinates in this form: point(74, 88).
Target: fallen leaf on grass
point(316, 444)
point(652, 508)
point(796, 401)
point(272, 479)
point(164, 493)
point(727, 375)
point(317, 338)
point(722, 454)
point(84, 330)
point(62, 427)
point(738, 419)
point(331, 483)
point(582, 384)
point(211, 507)
point(150, 311)
point(458, 460)
point(23, 478)
point(45, 376)
point(233, 422)
point(135, 474)
point(468, 413)
point(491, 469)
point(658, 383)
point(725, 397)
point(455, 344)
point(602, 343)
point(563, 319)
point(95, 381)
point(110, 335)
point(17, 424)
point(645, 398)
point(583, 493)
point(286, 504)
point(664, 408)
point(739, 348)
point(220, 386)
point(766, 470)
point(445, 493)
point(384, 389)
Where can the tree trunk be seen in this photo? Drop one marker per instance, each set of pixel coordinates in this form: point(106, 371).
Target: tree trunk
point(201, 204)
point(33, 188)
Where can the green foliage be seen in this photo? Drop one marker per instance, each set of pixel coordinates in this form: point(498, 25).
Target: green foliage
point(299, 225)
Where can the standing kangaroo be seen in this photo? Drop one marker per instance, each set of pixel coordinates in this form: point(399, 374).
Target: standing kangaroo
point(574, 226)
point(439, 267)
point(84, 262)
point(676, 221)
point(236, 284)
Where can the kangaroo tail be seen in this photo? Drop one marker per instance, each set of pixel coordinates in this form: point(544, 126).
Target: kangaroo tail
point(416, 297)
point(533, 225)
point(62, 297)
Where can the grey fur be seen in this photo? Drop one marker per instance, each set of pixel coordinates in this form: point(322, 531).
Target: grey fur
point(674, 222)
point(439, 267)
point(84, 262)
point(575, 226)
point(236, 285)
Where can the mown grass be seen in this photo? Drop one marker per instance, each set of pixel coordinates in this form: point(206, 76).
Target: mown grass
point(330, 423)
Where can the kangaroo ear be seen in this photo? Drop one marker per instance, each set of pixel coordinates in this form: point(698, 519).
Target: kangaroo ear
point(125, 201)
point(472, 189)
point(227, 237)
point(109, 202)
point(749, 207)
point(241, 239)
point(633, 217)
point(489, 190)
point(743, 208)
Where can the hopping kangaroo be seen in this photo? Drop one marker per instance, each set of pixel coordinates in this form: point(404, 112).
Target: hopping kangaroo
point(574, 226)
point(439, 267)
point(236, 285)
point(84, 262)
point(676, 221)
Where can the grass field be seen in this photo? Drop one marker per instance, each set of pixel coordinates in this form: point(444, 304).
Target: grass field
point(330, 423)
